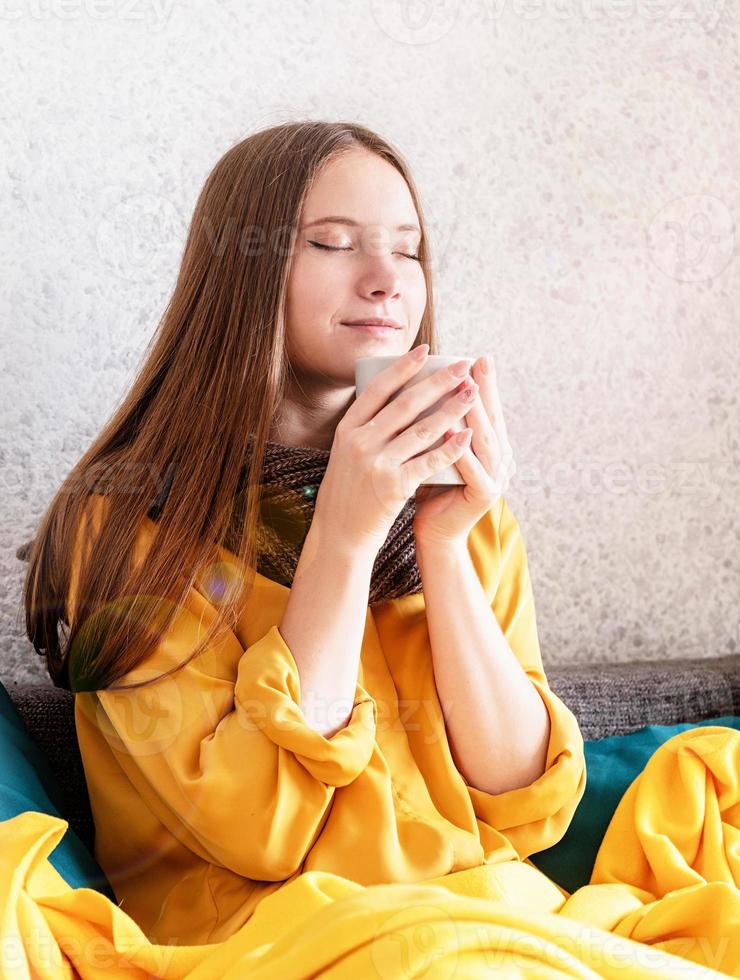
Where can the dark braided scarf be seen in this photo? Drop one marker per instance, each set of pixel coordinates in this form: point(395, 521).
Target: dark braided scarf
point(291, 476)
point(290, 480)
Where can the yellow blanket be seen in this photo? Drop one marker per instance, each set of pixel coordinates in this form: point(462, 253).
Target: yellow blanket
point(664, 901)
point(241, 842)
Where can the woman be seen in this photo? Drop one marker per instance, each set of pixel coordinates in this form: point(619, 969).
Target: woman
point(310, 698)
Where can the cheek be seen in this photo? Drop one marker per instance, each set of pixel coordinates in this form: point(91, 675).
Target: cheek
point(304, 288)
point(317, 285)
point(315, 294)
point(417, 289)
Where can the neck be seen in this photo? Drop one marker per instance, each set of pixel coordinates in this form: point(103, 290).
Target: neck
point(310, 418)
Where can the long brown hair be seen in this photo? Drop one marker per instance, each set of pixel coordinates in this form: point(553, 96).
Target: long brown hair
point(213, 379)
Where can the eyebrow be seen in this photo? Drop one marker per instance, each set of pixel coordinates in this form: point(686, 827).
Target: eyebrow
point(338, 219)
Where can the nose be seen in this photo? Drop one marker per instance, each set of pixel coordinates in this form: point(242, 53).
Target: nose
point(380, 279)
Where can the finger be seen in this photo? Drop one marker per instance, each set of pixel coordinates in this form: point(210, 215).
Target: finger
point(384, 386)
point(492, 485)
point(488, 384)
point(499, 472)
point(485, 442)
point(426, 491)
point(476, 477)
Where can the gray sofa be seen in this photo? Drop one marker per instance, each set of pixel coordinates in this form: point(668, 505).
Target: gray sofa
point(607, 700)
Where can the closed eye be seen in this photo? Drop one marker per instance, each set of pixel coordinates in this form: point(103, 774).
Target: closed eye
point(337, 248)
point(330, 248)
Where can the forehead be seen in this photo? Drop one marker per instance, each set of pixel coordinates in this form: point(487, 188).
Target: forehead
point(360, 185)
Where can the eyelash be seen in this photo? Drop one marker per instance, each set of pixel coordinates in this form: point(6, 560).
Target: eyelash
point(335, 248)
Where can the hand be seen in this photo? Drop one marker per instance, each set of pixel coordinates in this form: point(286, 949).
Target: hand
point(380, 454)
point(447, 515)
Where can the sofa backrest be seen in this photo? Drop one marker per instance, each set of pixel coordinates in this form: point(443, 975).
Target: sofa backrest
point(607, 699)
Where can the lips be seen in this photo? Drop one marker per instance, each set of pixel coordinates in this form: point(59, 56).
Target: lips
point(373, 321)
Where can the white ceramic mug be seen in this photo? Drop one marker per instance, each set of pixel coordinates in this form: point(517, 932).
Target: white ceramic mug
point(367, 367)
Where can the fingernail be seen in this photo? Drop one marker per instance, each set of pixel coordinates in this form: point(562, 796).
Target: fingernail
point(460, 368)
point(419, 352)
point(484, 365)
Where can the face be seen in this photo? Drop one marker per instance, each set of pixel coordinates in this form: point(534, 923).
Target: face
point(344, 272)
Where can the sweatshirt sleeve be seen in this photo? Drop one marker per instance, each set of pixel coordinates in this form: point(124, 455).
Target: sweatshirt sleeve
point(220, 751)
point(536, 816)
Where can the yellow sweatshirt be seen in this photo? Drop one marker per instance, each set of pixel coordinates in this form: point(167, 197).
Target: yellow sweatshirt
point(209, 791)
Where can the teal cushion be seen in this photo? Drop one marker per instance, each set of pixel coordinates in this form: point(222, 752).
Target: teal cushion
point(27, 783)
point(612, 764)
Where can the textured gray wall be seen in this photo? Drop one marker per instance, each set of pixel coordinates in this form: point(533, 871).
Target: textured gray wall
point(579, 164)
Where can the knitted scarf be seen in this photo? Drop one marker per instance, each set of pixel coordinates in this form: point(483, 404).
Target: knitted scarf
point(290, 480)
